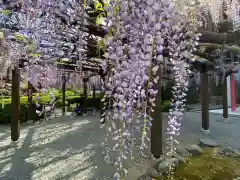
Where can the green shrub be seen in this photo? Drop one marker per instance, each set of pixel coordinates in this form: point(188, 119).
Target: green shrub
point(58, 103)
point(72, 98)
point(6, 112)
point(70, 93)
point(44, 99)
point(95, 103)
point(166, 106)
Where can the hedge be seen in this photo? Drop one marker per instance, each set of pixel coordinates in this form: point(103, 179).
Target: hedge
point(6, 112)
point(72, 98)
point(166, 106)
point(71, 101)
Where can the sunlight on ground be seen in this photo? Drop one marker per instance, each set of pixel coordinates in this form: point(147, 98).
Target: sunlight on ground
point(45, 152)
point(52, 164)
point(53, 132)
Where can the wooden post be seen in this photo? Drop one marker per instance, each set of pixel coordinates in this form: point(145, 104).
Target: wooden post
point(233, 95)
point(8, 74)
point(156, 128)
point(94, 99)
point(103, 102)
point(225, 99)
point(63, 94)
point(15, 121)
point(204, 95)
point(85, 95)
point(94, 92)
point(30, 102)
point(224, 27)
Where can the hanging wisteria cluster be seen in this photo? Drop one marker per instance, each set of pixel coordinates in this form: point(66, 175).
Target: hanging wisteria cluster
point(40, 33)
point(216, 9)
point(142, 35)
point(51, 28)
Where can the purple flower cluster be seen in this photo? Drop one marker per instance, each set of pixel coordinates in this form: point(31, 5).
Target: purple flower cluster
point(142, 31)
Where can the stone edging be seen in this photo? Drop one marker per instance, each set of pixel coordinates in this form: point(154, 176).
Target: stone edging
point(162, 167)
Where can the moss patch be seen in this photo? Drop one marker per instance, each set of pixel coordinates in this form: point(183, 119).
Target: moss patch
point(208, 166)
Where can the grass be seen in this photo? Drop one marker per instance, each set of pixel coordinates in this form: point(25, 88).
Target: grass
point(207, 166)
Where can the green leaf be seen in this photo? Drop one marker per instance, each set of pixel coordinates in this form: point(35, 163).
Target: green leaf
point(1, 35)
point(98, 6)
point(5, 12)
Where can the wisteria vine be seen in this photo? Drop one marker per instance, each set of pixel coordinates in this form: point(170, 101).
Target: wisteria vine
point(143, 35)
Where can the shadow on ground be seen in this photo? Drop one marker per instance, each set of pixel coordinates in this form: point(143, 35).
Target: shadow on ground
point(70, 149)
point(58, 150)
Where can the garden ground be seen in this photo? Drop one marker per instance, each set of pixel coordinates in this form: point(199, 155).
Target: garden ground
point(70, 149)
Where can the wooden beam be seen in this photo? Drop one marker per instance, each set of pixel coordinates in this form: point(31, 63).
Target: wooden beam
point(234, 49)
point(232, 37)
point(95, 30)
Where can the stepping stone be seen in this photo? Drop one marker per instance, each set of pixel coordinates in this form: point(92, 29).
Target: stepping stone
point(152, 172)
point(229, 151)
point(194, 149)
point(208, 142)
point(182, 151)
point(144, 177)
point(180, 158)
point(163, 166)
point(133, 173)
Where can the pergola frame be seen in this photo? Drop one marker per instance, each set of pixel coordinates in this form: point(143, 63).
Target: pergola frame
point(208, 36)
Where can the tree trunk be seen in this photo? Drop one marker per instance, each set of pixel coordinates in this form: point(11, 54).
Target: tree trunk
point(156, 128)
point(15, 121)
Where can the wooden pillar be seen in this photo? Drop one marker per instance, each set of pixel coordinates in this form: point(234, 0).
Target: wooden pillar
point(156, 128)
point(85, 95)
point(94, 92)
point(31, 110)
point(224, 27)
point(94, 98)
point(8, 75)
point(233, 95)
point(225, 99)
point(204, 95)
point(63, 94)
point(103, 102)
point(15, 121)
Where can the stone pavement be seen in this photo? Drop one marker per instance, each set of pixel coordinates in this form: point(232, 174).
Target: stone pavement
point(69, 149)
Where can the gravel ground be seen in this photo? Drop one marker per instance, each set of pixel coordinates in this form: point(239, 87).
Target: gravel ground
point(59, 149)
point(70, 149)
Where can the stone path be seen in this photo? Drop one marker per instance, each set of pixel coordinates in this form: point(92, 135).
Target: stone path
point(69, 149)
